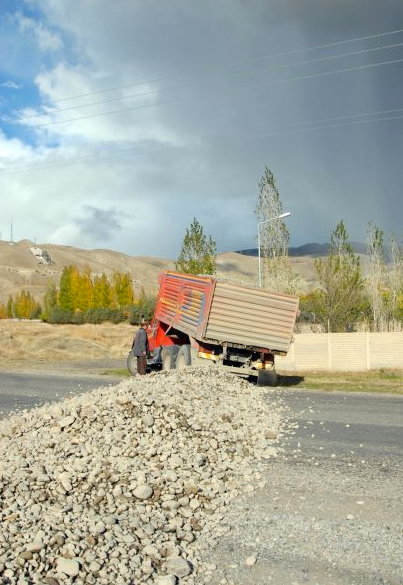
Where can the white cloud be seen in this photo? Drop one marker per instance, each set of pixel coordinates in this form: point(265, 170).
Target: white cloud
point(47, 40)
point(10, 84)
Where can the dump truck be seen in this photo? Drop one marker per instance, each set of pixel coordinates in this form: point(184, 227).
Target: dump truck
point(201, 320)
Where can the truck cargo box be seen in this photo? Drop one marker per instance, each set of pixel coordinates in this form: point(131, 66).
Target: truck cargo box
point(217, 312)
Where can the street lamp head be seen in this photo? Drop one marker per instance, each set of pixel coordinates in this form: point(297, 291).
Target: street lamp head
point(286, 214)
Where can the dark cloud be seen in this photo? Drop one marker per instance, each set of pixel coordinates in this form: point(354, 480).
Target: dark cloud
point(99, 224)
point(213, 132)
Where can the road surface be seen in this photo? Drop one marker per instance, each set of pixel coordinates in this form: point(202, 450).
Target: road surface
point(21, 390)
point(331, 512)
point(332, 509)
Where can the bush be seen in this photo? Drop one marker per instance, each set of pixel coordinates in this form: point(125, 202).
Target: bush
point(96, 316)
point(60, 316)
point(100, 315)
point(143, 310)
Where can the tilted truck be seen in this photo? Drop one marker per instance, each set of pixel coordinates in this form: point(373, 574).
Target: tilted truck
point(200, 320)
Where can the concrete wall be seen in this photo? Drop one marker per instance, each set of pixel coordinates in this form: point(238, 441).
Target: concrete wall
point(343, 352)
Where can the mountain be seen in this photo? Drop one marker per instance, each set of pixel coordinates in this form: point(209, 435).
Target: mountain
point(28, 266)
point(311, 249)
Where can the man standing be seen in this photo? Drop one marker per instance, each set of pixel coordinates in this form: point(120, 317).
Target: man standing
point(140, 349)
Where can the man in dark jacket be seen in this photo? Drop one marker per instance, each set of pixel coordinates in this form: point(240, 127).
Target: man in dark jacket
point(140, 349)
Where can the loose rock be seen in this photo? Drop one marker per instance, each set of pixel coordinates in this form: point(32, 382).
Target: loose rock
point(129, 483)
point(69, 567)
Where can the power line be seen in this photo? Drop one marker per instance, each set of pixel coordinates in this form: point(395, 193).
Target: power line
point(221, 65)
point(96, 157)
point(334, 119)
point(149, 93)
point(290, 128)
point(188, 98)
point(339, 125)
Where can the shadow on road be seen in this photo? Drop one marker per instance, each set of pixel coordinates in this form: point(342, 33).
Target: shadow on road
point(289, 380)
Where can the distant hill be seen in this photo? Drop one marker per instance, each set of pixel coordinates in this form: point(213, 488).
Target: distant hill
point(311, 249)
point(28, 266)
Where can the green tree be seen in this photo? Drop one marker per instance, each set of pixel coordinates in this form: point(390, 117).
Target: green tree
point(50, 300)
point(277, 274)
point(103, 294)
point(376, 278)
point(143, 309)
point(340, 298)
point(123, 288)
point(198, 253)
point(10, 307)
point(66, 294)
point(85, 290)
point(395, 282)
point(24, 306)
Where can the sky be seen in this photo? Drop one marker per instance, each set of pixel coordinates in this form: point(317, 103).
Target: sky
point(122, 121)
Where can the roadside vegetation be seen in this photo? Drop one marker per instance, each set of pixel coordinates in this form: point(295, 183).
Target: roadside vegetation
point(388, 381)
point(349, 297)
point(81, 297)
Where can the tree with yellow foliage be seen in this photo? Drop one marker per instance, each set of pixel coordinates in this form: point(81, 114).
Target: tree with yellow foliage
point(123, 288)
point(103, 295)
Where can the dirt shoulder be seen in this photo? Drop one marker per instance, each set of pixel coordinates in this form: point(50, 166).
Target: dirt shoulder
point(85, 349)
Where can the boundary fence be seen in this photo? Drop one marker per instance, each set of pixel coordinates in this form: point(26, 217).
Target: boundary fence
point(343, 352)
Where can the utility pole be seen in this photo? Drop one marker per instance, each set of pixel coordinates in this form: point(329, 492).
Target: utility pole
point(11, 232)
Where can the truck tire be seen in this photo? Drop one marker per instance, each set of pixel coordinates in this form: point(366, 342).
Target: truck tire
point(168, 357)
point(183, 358)
point(267, 378)
point(132, 363)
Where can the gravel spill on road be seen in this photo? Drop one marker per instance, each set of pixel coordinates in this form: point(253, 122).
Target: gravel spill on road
point(130, 484)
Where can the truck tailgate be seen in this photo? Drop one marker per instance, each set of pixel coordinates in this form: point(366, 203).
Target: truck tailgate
point(251, 317)
point(183, 301)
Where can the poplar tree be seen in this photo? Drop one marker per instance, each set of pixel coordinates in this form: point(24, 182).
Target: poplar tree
point(85, 290)
point(50, 300)
point(376, 277)
point(340, 297)
point(103, 296)
point(395, 281)
point(123, 288)
point(277, 273)
point(66, 300)
point(198, 253)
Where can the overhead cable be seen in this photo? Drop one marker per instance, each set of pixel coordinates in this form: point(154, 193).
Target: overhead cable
point(172, 88)
point(241, 62)
point(265, 84)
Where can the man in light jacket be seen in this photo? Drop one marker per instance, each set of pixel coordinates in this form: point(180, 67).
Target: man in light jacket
point(140, 349)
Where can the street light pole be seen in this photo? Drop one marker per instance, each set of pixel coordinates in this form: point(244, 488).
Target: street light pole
point(258, 240)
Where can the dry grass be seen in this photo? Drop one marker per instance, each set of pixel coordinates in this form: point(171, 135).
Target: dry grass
point(383, 380)
point(28, 342)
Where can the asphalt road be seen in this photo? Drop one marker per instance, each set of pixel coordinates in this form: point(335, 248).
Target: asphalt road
point(19, 391)
point(331, 512)
point(337, 422)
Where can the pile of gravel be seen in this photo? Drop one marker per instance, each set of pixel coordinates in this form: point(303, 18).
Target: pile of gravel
point(129, 484)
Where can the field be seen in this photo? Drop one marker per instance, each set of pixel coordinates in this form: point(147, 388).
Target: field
point(33, 345)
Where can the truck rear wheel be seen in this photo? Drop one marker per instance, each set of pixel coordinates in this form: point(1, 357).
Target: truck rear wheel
point(168, 357)
point(267, 378)
point(183, 358)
